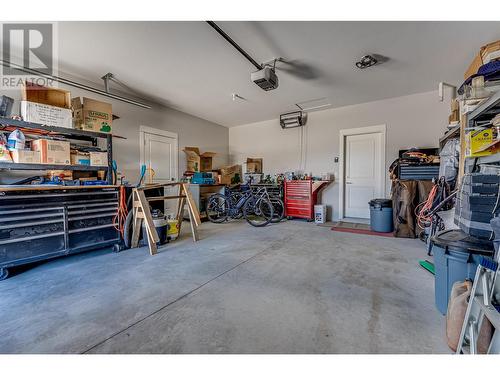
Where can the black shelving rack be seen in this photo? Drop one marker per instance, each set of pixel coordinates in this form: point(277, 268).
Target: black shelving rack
point(39, 222)
point(67, 133)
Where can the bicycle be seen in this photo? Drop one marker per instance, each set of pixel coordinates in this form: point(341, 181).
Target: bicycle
point(256, 208)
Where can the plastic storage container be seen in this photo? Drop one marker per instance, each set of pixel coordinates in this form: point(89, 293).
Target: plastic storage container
point(456, 257)
point(161, 226)
point(381, 215)
point(320, 213)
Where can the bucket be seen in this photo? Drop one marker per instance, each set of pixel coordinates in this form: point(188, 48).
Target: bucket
point(456, 257)
point(381, 215)
point(173, 229)
point(161, 226)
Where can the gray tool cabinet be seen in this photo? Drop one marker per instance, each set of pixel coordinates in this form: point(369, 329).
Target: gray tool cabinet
point(42, 222)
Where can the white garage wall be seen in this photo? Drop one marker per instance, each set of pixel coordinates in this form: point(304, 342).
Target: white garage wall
point(412, 121)
point(192, 131)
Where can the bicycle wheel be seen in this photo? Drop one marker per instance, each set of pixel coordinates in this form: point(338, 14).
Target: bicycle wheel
point(258, 211)
point(279, 210)
point(217, 208)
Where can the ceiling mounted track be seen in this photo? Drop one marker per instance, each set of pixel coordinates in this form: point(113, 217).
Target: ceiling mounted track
point(234, 44)
point(76, 84)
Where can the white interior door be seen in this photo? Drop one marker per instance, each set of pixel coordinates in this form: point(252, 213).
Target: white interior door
point(159, 154)
point(363, 179)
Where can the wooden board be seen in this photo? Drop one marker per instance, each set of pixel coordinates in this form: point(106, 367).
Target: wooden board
point(192, 205)
point(155, 199)
point(319, 184)
point(142, 213)
point(155, 186)
point(461, 165)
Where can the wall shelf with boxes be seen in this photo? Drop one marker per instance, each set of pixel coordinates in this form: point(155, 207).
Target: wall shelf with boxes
point(34, 129)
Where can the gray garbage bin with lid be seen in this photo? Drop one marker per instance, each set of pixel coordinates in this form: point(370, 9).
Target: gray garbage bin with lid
point(456, 257)
point(381, 215)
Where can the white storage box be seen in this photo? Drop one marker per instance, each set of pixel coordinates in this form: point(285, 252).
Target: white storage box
point(46, 114)
point(320, 213)
point(255, 177)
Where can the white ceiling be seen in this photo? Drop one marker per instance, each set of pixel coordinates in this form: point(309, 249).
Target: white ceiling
point(190, 67)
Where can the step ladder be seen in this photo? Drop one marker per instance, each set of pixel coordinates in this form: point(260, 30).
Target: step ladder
point(483, 302)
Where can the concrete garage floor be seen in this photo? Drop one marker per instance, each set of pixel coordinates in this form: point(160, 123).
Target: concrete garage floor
point(292, 287)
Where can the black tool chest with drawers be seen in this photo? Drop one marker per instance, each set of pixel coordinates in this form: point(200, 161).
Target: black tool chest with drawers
point(43, 222)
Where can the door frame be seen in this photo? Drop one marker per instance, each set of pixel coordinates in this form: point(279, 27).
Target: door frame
point(343, 133)
point(165, 133)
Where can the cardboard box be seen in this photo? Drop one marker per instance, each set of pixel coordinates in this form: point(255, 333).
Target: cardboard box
point(62, 174)
point(487, 53)
point(254, 165)
point(490, 52)
point(92, 115)
point(52, 152)
point(478, 139)
point(99, 159)
point(228, 173)
point(46, 114)
point(46, 95)
point(474, 66)
point(80, 158)
point(26, 156)
point(197, 162)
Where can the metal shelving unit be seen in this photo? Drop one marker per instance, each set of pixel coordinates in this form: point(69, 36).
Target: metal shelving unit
point(452, 133)
point(40, 222)
point(485, 111)
point(55, 129)
point(32, 167)
point(479, 117)
point(495, 158)
point(67, 133)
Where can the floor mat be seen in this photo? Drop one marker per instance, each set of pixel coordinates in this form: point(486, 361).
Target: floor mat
point(358, 228)
point(349, 225)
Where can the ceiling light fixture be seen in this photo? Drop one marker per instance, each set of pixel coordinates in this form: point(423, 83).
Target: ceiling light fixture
point(236, 96)
point(366, 61)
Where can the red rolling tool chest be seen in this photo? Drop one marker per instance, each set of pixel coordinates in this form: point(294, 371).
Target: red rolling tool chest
point(301, 196)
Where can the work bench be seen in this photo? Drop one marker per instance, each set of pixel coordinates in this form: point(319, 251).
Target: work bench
point(39, 222)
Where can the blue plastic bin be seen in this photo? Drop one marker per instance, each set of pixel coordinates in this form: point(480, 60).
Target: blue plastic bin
point(456, 257)
point(381, 215)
